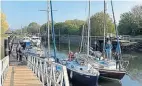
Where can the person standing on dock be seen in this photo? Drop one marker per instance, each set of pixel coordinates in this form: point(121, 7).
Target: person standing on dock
point(20, 53)
point(17, 52)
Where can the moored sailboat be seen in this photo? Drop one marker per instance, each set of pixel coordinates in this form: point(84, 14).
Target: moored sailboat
point(112, 66)
point(79, 69)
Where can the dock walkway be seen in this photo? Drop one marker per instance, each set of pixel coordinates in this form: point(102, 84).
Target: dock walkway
point(21, 76)
point(18, 73)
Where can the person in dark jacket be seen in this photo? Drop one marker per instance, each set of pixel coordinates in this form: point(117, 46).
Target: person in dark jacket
point(17, 52)
point(20, 53)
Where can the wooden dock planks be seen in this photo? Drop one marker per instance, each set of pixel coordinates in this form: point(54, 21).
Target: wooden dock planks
point(21, 76)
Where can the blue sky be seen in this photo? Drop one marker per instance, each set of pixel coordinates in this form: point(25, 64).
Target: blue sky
point(21, 13)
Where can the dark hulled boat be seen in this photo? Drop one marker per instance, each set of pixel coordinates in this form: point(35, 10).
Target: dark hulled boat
point(82, 74)
point(111, 74)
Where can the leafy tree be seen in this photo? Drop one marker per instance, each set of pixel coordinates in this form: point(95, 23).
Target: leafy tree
point(44, 28)
point(127, 24)
point(74, 26)
point(68, 27)
point(131, 22)
point(33, 28)
point(97, 24)
point(62, 27)
point(24, 29)
point(137, 12)
point(4, 24)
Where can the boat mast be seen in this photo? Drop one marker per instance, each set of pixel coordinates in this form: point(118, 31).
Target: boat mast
point(53, 33)
point(48, 10)
point(104, 28)
point(118, 49)
point(88, 30)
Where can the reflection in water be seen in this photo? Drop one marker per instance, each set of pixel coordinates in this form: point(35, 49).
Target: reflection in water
point(102, 83)
point(134, 69)
point(110, 83)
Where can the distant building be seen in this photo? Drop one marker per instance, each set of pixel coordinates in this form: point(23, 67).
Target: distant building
point(8, 32)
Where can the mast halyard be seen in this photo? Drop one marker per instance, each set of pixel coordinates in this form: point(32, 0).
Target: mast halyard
point(88, 30)
point(104, 28)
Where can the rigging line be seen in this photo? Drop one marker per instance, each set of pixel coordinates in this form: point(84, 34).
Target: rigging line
point(53, 33)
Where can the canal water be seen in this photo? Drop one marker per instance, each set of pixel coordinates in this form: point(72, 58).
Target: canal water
point(134, 76)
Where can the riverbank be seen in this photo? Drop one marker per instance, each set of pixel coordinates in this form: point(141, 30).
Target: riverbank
point(128, 43)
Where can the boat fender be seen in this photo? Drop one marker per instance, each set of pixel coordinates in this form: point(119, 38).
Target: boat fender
point(71, 74)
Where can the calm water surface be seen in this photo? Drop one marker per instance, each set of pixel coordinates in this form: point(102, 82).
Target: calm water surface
point(134, 76)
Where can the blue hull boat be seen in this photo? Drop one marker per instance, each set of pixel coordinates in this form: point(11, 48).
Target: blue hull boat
point(80, 74)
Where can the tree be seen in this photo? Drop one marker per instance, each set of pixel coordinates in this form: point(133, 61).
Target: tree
point(137, 12)
point(44, 28)
point(74, 26)
point(127, 24)
point(71, 27)
point(33, 28)
point(131, 22)
point(97, 24)
point(4, 24)
point(62, 27)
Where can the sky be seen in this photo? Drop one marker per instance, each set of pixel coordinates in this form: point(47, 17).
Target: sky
point(21, 13)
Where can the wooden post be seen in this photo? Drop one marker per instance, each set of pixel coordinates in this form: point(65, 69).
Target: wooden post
point(36, 66)
point(54, 73)
point(43, 72)
point(47, 75)
point(40, 69)
point(66, 80)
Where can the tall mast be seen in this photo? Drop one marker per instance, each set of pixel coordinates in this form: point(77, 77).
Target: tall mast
point(48, 10)
point(88, 30)
point(104, 27)
point(53, 33)
point(115, 26)
point(118, 44)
